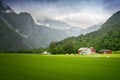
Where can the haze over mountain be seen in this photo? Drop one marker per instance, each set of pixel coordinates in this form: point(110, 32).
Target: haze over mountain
point(56, 24)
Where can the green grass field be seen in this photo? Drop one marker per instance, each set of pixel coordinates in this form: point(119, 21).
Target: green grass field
point(59, 67)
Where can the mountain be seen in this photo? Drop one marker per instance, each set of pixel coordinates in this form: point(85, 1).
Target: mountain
point(107, 37)
point(55, 24)
point(72, 30)
point(93, 28)
point(20, 32)
point(9, 38)
point(5, 8)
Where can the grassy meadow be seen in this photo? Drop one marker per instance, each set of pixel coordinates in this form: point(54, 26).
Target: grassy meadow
point(59, 67)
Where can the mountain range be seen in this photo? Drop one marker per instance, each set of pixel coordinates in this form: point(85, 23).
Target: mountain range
point(20, 32)
point(72, 30)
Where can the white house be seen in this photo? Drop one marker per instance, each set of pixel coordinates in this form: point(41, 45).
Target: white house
point(45, 52)
point(86, 50)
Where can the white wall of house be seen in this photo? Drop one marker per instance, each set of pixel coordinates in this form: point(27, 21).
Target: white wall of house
point(85, 51)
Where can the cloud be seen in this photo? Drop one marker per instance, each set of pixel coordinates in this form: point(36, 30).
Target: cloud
point(83, 19)
point(80, 13)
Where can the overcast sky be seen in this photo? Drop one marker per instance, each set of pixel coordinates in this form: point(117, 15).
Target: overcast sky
point(80, 13)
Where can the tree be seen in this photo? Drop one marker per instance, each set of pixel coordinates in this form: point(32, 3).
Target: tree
point(52, 47)
point(68, 47)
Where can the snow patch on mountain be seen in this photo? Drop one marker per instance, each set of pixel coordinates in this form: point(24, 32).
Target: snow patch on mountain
point(55, 24)
point(6, 22)
point(5, 8)
point(25, 36)
point(7, 11)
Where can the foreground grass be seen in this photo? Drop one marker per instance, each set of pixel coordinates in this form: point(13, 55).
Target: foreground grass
point(59, 67)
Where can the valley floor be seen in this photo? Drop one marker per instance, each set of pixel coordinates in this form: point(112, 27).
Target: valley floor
point(59, 67)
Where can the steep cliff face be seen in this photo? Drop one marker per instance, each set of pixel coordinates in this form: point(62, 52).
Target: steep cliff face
point(10, 39)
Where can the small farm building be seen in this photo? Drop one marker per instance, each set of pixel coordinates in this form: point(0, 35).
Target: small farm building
point(105, 51)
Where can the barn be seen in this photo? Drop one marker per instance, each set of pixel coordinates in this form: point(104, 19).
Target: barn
point(105, 51)
point(86, 50)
